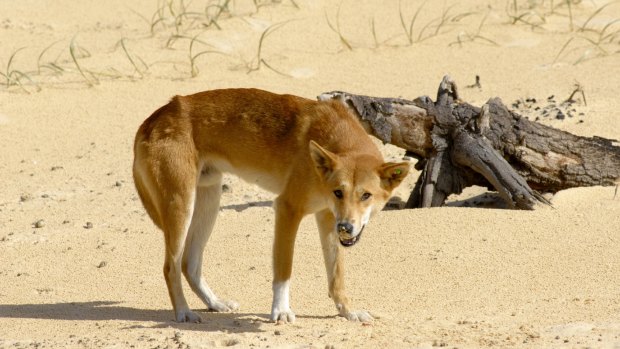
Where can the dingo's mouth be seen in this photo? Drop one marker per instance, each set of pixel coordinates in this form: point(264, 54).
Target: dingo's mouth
point(348, 242)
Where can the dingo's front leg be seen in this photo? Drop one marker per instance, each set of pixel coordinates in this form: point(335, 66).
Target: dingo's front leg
point(334, 266)
point(287, 223)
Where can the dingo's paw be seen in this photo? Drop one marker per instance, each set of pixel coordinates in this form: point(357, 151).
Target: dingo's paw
point(359, 315)
point(223, 306)
point(286, 315)
point(188, 316)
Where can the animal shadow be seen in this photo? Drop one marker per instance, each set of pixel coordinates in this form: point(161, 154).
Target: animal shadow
point(108, 310)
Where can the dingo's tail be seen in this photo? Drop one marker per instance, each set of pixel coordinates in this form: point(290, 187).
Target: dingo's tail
point(142, 174)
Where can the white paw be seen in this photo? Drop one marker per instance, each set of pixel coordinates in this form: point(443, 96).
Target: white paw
point(359, 315)
point(223, 306)
point(282, 315)
point(280, 308)
point(188, 316)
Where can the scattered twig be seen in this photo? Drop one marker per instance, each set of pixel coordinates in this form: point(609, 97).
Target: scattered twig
point(259, 60)
point(336, 29)
point(50, 65)
point(409, 28)
point(14, 77)
point(132, 61)
point(466, 37)
point(476, 84)
point(194, 56)
point(76, 51)
point(578, 89)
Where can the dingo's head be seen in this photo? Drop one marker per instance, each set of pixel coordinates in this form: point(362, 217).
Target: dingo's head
point(357, 186)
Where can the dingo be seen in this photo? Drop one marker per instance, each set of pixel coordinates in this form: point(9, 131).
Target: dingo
point(314, 155)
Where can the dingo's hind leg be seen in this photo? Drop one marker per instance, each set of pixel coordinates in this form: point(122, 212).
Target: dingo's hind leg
point(206, 208)
point(175, 176)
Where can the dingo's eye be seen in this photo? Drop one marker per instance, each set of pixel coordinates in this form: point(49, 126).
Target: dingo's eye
point(366, 196)
point(338, 194)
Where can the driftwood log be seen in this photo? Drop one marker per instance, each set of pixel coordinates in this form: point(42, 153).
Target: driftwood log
point(458, 145)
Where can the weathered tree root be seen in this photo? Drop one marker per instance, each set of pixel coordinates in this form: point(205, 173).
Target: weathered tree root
point(459, 145)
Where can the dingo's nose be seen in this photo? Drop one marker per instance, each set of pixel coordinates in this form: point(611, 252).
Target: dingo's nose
point(345, 228)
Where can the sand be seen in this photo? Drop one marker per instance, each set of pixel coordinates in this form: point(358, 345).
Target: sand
point(80, 262)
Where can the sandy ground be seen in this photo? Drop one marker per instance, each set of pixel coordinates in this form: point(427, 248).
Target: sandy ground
point(89, 273)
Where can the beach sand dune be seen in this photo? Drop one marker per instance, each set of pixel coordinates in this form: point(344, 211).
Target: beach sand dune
point(80, 262)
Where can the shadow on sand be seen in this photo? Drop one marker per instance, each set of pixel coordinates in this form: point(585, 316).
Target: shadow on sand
point(106, 310)
point(243, 207)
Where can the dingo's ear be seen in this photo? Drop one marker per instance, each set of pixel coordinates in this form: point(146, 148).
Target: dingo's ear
point(392, 174)
point(324, 160)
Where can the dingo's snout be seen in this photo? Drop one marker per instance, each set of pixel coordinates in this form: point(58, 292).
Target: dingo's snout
point(345, 228)
point(347, 235)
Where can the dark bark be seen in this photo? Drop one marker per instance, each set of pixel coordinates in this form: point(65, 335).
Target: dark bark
point(459, 145)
